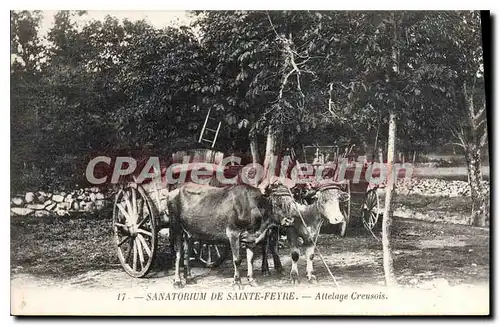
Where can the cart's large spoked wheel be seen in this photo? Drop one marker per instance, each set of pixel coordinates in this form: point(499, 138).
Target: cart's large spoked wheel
point(209, 254)
point(134, 227)
point(371, 209)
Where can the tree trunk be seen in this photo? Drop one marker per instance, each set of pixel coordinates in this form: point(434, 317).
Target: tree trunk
point(414, 156)
point(254, 149)
point(380, 154)
point(478, 195)
point(268, 159)
point(254, 145)
point(365, 148)
point(375, 145)
point(472, 150)
point(387, 219)
point(390, 279)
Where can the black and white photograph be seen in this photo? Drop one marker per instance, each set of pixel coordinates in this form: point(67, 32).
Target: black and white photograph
point(250, 162)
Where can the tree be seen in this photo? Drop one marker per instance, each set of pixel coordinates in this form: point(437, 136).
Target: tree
point(270, 68)
point(382, 36)
point(446, 55)
point(391, 149)
point(461, 33)
point(244, 63)
point(295, 76)
point(27, 60)
point(163, 79)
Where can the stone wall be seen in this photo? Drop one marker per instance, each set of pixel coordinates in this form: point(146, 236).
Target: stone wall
point(42, 203)
point(93, 199)
point(434, 187)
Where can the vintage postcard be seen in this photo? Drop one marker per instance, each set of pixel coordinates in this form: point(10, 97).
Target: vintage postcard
point(215, 163)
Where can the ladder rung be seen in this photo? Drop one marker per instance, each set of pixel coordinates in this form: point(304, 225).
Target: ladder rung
point(212, 130)
point(210, 141)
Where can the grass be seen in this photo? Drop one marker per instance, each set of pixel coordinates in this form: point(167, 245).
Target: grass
point(421, 203)
point(65, 247)
point(460, 253)
point(61, 246)
point(451, 177)
point(435, 208)
point(448, 173)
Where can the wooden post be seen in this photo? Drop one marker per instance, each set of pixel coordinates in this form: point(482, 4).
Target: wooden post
point(216, 134)
point(204, 126)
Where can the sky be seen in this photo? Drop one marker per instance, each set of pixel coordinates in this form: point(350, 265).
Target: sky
point(158, 18)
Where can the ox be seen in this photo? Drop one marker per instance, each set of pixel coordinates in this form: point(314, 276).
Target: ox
point(239, 214)
point(303, 222)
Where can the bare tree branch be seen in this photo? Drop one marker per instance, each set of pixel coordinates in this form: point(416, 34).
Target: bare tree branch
point(310, 72)
point(303, 62)
point(457, 144)
point(290, 54)
point(274, 29)
point(480, 123)
point(344, 86)
point(331, 105)
point(459, 135)
point(298, 86)
point(484, 137)
point(283, 84)
point(478, 115)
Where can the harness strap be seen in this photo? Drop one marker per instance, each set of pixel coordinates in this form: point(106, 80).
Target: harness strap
point(330, 186)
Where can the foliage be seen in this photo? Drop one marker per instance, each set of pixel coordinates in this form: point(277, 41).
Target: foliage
point(313, 77)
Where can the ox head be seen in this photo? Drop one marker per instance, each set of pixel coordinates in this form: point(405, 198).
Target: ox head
point(284, 206)
point(330, 200)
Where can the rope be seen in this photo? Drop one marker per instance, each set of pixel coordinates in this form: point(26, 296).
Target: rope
point(317, 234)
point(366, 227)
point(314, 243)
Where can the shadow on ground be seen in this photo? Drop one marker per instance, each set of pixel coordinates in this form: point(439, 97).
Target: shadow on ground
point(66, 248)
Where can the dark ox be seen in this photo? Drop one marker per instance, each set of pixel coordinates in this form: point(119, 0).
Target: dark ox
point(239, 214)
point(325, 208)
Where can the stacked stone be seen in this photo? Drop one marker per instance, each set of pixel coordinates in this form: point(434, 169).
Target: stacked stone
point(435, 187)
point(42, 203)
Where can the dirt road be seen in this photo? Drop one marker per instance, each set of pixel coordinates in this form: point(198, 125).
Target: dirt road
point(74, 260)
point(422, 251)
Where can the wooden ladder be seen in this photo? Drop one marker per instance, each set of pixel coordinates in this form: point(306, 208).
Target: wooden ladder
point(214, 132)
